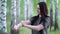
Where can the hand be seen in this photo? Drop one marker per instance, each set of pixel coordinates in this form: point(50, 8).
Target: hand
point(24, 24)
point(16, 27)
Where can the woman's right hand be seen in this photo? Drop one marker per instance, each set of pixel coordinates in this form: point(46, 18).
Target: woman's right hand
point(22, 23)
point(16, 27)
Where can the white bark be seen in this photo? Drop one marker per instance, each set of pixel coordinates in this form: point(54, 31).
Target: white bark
point(56, 16)
point(13, 13)
point(17, 11)
point(25, 10)
point(51, 9)
point(56, 9)
point(51, 14)
point(28, 9)
point(3, 24)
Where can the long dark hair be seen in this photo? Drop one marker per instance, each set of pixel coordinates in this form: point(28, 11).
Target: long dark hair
point(44, 13)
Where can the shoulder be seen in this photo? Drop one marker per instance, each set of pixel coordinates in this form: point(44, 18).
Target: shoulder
point(34, 17)
point(48, 17)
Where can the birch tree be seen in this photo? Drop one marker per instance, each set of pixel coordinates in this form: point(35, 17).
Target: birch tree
point(13, 16)
point(25, 10)
point(28, 9)
point(51, 14)
point(56, 16)
point(3, 10)
point(17, 13)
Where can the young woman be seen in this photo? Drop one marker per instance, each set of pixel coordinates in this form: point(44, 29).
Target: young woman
point(38, 24)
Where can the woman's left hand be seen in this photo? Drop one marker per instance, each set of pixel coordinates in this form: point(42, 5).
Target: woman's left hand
point(24, 24)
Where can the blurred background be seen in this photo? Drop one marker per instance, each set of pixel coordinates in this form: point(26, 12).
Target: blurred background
point(24, 9)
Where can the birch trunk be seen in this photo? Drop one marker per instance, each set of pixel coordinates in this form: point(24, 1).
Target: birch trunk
point(25, 10)
point(28, 10)
point(56, 16)
point(3, 10)
point(13, 16)
point(51, 14)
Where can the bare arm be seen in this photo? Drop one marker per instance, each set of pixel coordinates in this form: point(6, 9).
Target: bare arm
point(27, 24)
point(37, 28)
point(20, 24)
